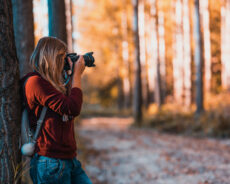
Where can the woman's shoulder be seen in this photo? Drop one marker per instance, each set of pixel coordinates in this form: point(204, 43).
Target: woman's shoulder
point(37, 80)
point(33, 79)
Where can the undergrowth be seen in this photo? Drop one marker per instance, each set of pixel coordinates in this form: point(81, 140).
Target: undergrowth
point(213, 122)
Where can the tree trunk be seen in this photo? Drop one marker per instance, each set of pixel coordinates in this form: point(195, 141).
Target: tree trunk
point(151, 46)
point(198, 59)
point(192, 47)
point(215, 36)
point(57, 19)
point(125, 58)
point(204, 11)
point(141, 28)
point(178, 70)
point(186, 56)
point(137, 97)
point(10, 100)
point(23, 32)
point(161, 71)
point(69, 27)
point(225, 44)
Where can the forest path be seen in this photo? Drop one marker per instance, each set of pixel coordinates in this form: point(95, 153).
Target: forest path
point(117, 154)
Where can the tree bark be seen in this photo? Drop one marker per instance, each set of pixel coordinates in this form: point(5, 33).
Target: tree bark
point(57, 19)
point(198, 59)
point(137, 97)
point(23, 32)
point(10, 99)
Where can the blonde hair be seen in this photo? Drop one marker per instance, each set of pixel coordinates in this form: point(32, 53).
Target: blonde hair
point(48, 60)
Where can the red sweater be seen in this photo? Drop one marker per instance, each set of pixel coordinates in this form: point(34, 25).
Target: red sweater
point(56, 138)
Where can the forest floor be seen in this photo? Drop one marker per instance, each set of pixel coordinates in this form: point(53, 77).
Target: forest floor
point(117, 154)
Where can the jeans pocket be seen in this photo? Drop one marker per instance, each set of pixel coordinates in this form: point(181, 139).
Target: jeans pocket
point(49, 169)
point(54, 166)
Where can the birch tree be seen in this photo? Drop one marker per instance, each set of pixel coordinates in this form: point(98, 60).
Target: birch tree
point(9, 93)
point(23, 32)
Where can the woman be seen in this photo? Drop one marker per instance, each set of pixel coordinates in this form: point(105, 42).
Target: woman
point(54, 160)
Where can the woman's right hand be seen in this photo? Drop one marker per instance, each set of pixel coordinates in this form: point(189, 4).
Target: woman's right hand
point(79, 66)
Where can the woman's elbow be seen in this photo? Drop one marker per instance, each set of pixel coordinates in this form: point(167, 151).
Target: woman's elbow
point(75, 110)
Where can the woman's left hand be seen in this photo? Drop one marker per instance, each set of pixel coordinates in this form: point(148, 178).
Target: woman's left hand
point(70, 71)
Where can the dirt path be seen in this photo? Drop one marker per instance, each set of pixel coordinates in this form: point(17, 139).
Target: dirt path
point(119, 155)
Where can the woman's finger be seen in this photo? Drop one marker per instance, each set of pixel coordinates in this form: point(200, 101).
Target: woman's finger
point(71, 65)
point(70, 62)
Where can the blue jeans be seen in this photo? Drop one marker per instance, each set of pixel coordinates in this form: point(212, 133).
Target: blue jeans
point(46, 170)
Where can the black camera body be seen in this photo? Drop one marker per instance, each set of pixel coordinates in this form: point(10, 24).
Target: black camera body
point(88, 58)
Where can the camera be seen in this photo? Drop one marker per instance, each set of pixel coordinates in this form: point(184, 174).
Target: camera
point(89, 61)
point(88, 58)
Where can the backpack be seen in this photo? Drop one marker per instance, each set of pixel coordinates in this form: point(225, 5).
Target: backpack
point(28, 136)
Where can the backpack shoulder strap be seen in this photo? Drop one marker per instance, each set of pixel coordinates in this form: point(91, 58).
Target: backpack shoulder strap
point(39, 123)
point(41, 118)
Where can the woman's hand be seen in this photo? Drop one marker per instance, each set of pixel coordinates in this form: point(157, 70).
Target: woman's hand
point(79, 66)
point(78, 71)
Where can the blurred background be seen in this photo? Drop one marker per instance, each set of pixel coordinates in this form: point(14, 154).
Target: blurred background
point(154, 59)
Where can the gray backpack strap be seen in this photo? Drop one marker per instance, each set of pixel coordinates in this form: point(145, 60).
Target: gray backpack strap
point(40, 120)
point(39, 123)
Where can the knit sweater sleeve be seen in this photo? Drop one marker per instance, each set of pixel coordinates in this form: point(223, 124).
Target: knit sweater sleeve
point(41, 91)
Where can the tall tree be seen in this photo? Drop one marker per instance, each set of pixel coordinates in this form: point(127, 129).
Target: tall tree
point(69, 25)
point(125, 56)
point(182, 59)
point(225, 44)
point(187, 83)
point(198, 59)
point(151, 48)
point(57, 19)
point(204, 11)
point(178, 53)
point(141, 30)
point(23, 32)
point(137, 97)
point(160, 67)
point(215, 36)
point(10, 100)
